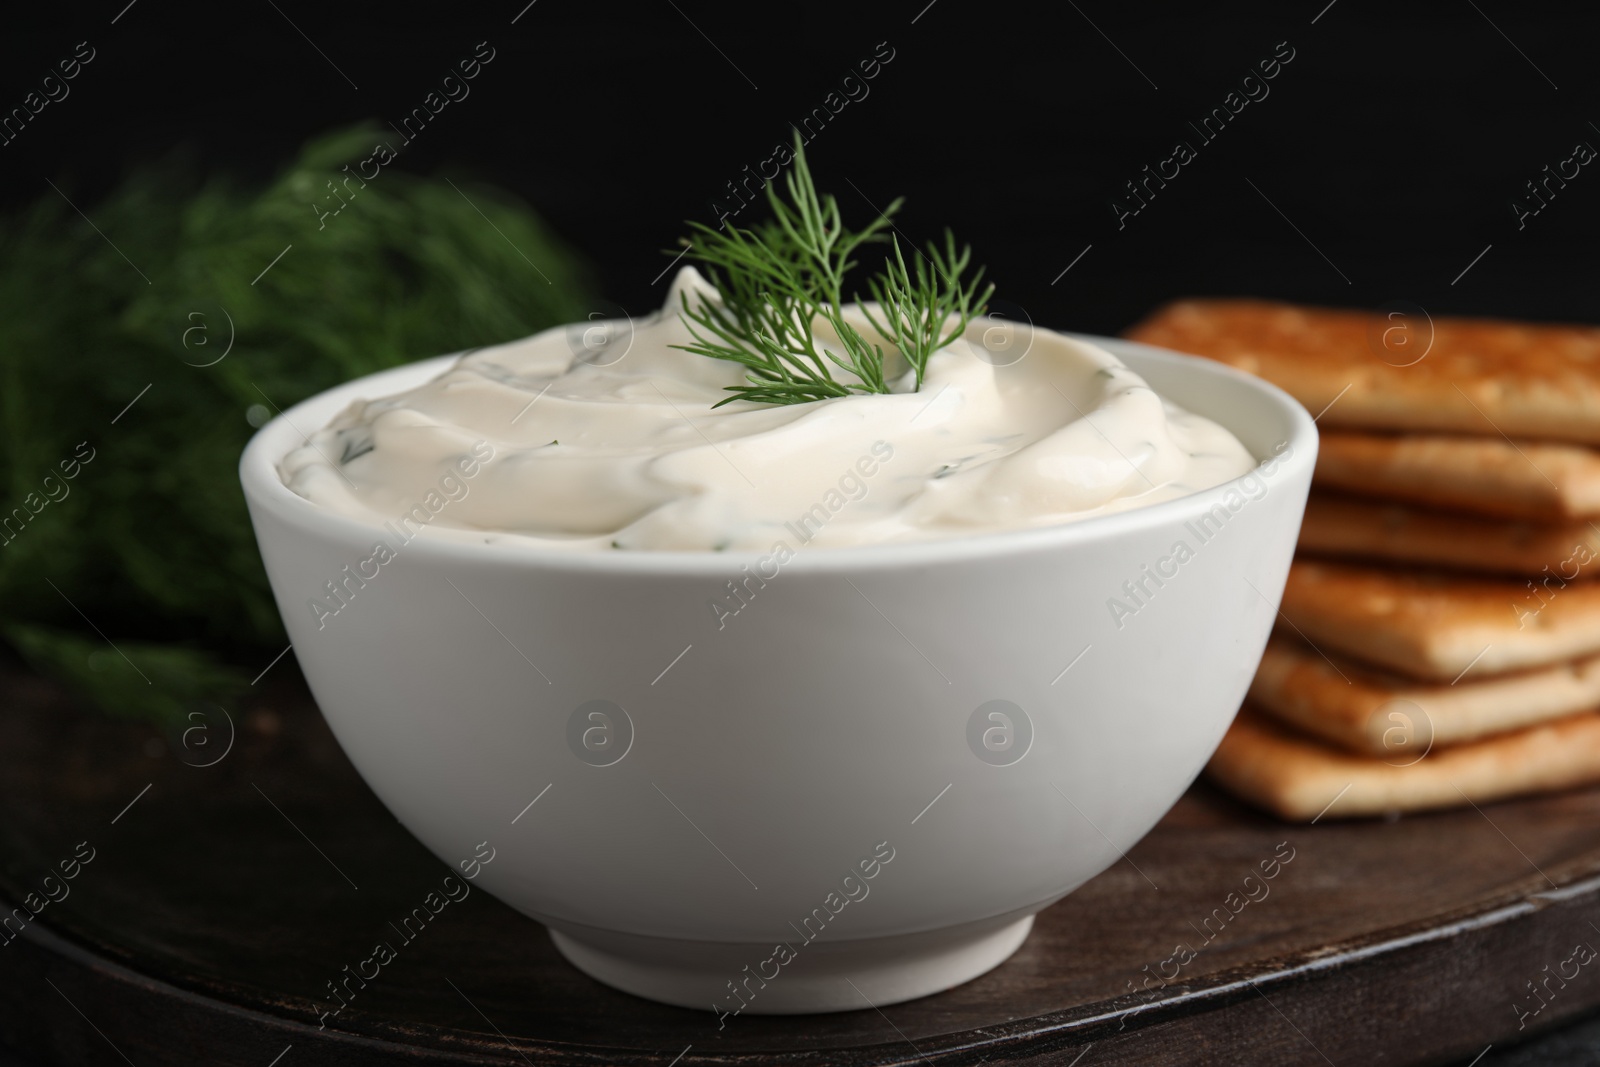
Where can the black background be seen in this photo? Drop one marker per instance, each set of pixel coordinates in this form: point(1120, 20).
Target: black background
point(1394, 142)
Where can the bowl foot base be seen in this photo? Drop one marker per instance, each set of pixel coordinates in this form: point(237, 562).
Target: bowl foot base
point(816, 976)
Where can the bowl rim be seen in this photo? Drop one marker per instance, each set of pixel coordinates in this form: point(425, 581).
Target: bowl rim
point(264, 489)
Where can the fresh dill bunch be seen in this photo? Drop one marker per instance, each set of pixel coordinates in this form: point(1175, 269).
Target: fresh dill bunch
point(778, 281)
point(154, 542)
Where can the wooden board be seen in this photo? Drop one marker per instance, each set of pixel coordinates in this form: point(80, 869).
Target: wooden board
point(221, 899)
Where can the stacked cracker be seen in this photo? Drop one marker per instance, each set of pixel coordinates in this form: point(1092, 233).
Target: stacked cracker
point(1440, 637)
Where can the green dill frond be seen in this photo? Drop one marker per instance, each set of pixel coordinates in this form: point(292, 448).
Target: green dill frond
point(776, 282)
point(151, 540)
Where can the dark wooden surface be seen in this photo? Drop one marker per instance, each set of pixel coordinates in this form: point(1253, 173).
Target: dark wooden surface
point(206, 927)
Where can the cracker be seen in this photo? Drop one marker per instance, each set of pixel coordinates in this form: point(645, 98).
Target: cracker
point(1370, 529)
point(1484, 475)
point(1299, 779)
point(1478, 376)
point(1375, 713)
point(1435, 626)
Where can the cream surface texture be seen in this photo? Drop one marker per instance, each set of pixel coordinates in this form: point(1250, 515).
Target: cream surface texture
point(602, 436)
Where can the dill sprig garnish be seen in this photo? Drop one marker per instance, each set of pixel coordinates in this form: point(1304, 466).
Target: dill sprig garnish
point(781, 288)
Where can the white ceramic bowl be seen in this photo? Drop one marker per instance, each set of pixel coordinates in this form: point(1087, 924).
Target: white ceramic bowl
point(815, 807)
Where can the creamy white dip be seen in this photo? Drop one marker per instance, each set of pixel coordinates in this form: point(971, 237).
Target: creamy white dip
point(601, 436)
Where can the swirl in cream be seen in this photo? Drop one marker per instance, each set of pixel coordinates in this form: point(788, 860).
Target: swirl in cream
point(617, 446)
